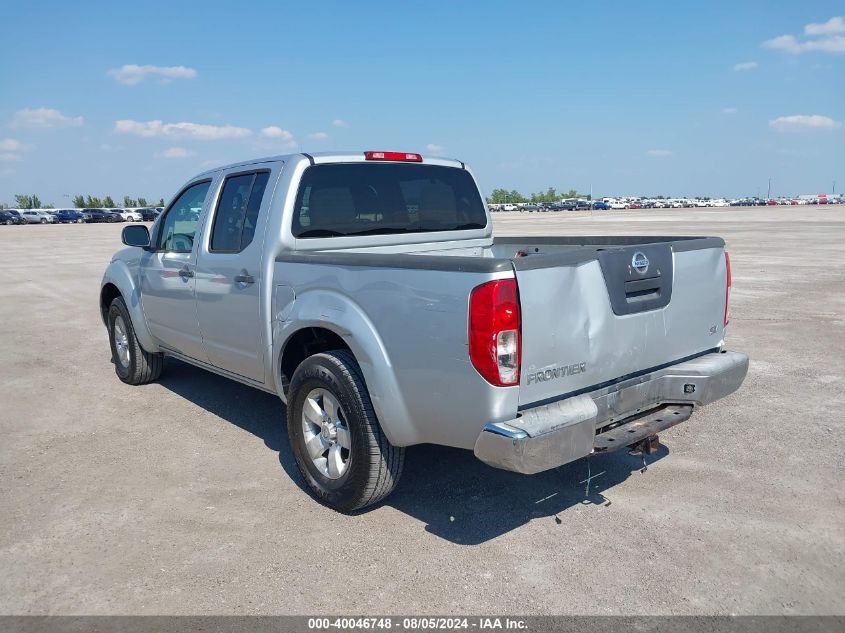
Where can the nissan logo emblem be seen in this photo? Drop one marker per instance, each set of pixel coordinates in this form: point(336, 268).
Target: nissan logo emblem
point(639, 262)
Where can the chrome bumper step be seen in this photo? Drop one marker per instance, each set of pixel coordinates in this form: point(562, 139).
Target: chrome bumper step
point(652, 423)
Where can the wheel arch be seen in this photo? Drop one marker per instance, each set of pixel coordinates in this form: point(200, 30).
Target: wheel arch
point(118, 282)
point(346, 323)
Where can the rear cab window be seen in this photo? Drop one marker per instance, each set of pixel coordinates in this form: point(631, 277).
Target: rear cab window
point(385, 198)
point(236, 215)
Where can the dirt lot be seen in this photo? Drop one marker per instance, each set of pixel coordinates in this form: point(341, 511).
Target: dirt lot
point(180, 497)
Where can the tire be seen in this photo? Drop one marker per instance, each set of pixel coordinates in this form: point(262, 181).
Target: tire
point(132, 364)
point(9, 223)
point(372, 465)
point(43, 220)
point(79, 220)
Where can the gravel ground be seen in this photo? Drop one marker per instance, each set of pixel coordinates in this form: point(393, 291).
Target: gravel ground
point(181, 497)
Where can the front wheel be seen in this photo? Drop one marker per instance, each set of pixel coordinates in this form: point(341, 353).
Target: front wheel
point(43, 220)
point(132, 364)
point(337, 442)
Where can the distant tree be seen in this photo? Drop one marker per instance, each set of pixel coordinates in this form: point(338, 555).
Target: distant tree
point(499, 196)
point(23, 201)
point(142, 202)
point(79, 201)
point(160, 202)
point(47, 206)
point(108, 203)
point(36, 203)
point(91, 201)
point(129, 202)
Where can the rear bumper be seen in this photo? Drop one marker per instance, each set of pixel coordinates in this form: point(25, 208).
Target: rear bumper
point(551, 435)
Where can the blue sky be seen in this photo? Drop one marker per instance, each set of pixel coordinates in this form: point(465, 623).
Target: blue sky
point(641, 98)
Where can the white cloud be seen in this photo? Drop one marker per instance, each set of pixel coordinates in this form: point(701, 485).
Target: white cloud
point(44, 118)
point(339, 123)
point(825, 37)
point(745, 66)
point(434, 149)
point(729, 110)
point(197, 131)
point(11, 145)
point(659, 153)
point(833, 25)
point(798, 122)
point(132, 74)
point(175, 152)
point(275, 132)
point(278, 136)
point(319, 136)
point(10, 150)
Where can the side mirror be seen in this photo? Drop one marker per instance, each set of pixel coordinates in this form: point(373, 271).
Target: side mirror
point(136, 235)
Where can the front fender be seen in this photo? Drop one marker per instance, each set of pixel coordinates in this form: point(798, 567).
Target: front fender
point(339, 314)
point(119, 274)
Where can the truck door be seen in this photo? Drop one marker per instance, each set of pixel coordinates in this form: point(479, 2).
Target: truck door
point(167, 274)
point(229, 275)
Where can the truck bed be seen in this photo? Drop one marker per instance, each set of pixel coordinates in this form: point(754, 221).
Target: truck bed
point(588, 318)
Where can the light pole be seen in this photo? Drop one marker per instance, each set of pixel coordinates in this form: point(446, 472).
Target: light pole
point(769, 190)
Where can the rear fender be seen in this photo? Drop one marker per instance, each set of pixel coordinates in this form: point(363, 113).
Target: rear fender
point(341, 315)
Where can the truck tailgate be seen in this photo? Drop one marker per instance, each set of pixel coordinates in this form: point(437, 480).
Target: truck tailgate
point(613, 314)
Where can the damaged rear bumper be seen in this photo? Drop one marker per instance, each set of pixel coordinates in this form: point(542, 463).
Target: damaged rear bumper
point(614, 417)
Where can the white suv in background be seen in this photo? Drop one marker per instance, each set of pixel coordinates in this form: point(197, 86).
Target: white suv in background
point(129, 215)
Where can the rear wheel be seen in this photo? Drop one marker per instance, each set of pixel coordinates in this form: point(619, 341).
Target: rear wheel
point(337, 442)
point(132, 364)
point(8, 223)
point(43, 220)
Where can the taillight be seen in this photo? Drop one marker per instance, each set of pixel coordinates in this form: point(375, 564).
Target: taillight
point(405, 157)
point(727, 286)
point(495, 345)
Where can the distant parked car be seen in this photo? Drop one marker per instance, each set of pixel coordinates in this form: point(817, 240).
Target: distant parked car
point(37, 217)
point(128, 215)
point(68, 216)
point(8, 217)
point(600, 206)
point(583, 205)
point(618, 204)
point(101, 215)
point(149, 214)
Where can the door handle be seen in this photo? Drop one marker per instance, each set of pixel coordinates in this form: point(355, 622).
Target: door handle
point(244, 279)
point(185, 273)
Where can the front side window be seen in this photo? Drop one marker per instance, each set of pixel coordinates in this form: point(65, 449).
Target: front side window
point(370, 199)
point(179, 225)
point(237, 212)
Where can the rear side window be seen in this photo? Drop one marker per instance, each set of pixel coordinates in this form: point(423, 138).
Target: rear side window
point(237, 212)
point(386, 198)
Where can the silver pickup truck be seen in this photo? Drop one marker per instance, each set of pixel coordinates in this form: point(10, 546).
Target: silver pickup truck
point(367, 291)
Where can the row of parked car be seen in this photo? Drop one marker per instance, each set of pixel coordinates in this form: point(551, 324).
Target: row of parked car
point(661, 203)
point(77, 216)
